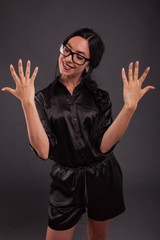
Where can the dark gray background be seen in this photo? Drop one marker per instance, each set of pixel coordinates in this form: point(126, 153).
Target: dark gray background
point(34, 30)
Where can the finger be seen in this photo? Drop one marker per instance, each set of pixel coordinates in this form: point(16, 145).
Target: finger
point(28, 69)
point(130, 71)
point(13, 72)
point(20, 68)
point(144, 75)
point(124, 76)
point(8, 89)
point(136, 69)
point(34, 74)
point(146, 89)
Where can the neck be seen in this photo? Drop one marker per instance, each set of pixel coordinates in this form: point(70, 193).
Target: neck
point(71, 80)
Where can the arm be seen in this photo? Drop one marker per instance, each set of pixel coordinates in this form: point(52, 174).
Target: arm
point(36, 133)
point(132, 94)
point(25, 92)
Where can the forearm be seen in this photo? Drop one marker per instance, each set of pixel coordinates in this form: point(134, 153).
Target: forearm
point(132, 93)
point(117, 129)
point(36, 133)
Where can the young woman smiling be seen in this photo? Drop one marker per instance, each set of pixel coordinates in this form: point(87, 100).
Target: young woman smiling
point(70, 122)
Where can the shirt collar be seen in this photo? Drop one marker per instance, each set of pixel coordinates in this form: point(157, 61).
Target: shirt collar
point(56, 82)
point(77, 87)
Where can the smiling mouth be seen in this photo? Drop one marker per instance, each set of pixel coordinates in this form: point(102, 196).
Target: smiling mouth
point(66, 67)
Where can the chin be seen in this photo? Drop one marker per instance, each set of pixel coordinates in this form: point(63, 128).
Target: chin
point(64, 73)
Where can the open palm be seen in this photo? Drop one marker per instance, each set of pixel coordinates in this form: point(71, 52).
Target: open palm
point(132, 90)
point(25, 90)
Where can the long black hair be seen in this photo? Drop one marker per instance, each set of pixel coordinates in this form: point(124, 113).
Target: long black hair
point(96, 48)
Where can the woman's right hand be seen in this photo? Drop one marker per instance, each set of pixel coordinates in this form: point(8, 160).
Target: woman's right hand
point(25, 90)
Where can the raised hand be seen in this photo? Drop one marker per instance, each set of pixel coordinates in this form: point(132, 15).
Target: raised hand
point(25, 90)
point(132, 90)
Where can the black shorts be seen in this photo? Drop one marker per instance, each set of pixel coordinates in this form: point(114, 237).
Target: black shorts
point(97, 189)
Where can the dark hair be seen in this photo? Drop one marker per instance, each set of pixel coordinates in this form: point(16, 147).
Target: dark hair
point(96, 48)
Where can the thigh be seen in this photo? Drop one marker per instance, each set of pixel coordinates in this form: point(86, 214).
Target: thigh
point(66, 201)
point(97, 230)
point(60, 235)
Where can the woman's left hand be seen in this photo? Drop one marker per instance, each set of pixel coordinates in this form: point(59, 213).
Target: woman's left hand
point(132, 90)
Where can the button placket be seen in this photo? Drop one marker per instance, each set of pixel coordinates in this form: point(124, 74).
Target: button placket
point(73, 110)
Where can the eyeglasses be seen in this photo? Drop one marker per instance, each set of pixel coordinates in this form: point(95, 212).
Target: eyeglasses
point(76, 58)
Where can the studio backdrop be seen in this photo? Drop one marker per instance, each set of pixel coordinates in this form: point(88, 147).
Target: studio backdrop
point(34, 30)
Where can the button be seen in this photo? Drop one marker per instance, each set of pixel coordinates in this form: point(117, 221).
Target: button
point(75, 119)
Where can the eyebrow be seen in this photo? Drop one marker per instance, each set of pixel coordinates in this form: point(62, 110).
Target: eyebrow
point(76, 51)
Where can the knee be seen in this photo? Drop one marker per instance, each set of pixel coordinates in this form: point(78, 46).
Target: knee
point(100, 236)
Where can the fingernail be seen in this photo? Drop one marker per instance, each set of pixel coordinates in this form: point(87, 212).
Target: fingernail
point(29, 61)
point(131, 63)
point(137, 62)
point(148, 68)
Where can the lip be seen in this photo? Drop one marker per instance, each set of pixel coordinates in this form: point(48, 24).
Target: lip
point(66, 68)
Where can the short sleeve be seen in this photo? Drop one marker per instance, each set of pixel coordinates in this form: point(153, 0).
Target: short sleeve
point(102, 123)
point(39, 101)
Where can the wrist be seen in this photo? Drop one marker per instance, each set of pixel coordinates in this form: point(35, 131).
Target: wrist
point(129, 108)
point(27, 103)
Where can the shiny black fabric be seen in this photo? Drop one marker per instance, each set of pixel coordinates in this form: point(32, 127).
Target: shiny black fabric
point(82, 176)
point(70, 122)
point(97, 188)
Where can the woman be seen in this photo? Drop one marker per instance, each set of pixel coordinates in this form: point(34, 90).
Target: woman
point(70, 122)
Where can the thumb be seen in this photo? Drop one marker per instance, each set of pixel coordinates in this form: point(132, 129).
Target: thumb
point(146, 89)
point(8, 89)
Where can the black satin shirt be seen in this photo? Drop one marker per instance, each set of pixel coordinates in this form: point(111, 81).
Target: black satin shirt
point(70, 122)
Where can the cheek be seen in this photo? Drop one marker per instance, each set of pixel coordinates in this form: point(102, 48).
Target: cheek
point(59, 61)
point(80, 68)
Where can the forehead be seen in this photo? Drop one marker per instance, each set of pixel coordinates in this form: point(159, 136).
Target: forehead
point(79, 44)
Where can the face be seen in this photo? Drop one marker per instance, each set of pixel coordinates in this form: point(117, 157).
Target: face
point(66, 66)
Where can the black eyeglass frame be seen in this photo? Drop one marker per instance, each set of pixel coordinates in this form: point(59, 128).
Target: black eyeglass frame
point(72, 53)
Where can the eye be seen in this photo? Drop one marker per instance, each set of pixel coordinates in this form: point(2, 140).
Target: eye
point(66, 49)
point(79, 57)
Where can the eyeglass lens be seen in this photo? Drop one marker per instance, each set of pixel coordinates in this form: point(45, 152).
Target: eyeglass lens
point(76, 57)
